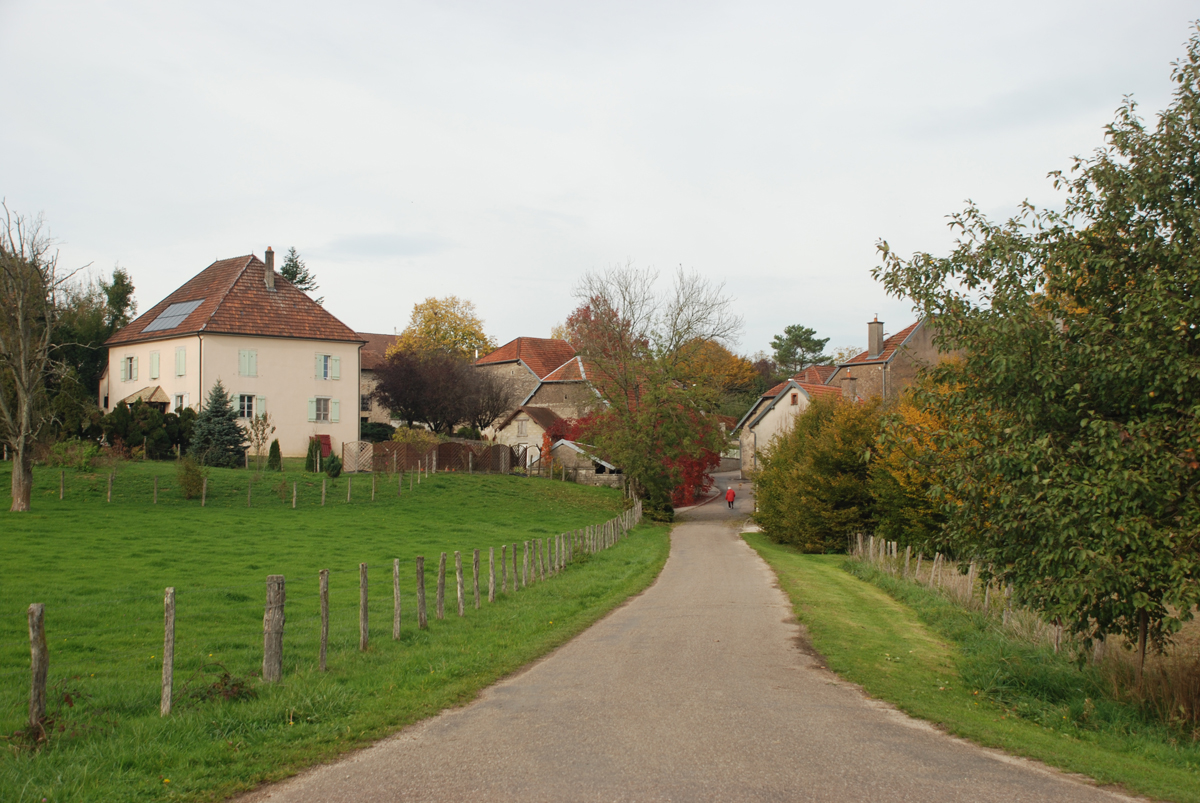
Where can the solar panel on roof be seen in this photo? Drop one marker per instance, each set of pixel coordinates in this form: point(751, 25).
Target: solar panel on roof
point(173, 315)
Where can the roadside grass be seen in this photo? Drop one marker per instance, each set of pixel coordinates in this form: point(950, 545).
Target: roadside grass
point(930, 659)
point(101, 568)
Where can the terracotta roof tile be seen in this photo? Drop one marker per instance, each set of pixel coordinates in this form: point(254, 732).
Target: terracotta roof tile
point(815, 390)
point(544, 417)
point(889, 348)
point(816, 374)
point(541, 354)
point(375, 351)
point(773, 392)
point(235, 300)
point(573, 370)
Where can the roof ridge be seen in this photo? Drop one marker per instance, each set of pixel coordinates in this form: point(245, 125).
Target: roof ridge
point(249, 259)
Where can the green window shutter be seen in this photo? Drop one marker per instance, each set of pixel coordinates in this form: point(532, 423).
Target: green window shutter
point(335, 372)
point(261, 405)
point(312, 409)
point(180, 361)
point(154, 365)
point(335, 408)
point(243, 363)
point(320, 365)
point(135, 368)
point(252, 361)
point(124, 371)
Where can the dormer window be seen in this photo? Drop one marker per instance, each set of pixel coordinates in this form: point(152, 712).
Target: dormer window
point(795, 399)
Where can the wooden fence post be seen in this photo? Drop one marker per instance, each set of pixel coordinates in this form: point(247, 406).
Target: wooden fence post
point(503, 569)
point(422, 620)
point(1007, 602)
point(62, 483)
point(475, 576)
point(349, 485)
point(39, 664)
point(203, 491)
point(363, 630)
point(273, 620)
point(110, 479)
point(322, 492)
point(293, 495)
point(917, 571)
point(396, 598)
point(458, 577)
point(168, 673)
point(156, 489)
point(524, 565)
point(907, 558)
point(441, 587)
point(492, 573)
point(323, 576)
point(515, 571)
point(249, 485)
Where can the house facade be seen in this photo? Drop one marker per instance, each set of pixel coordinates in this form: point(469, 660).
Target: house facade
point(374, 352)
point(274, 349)
point(891, 362)
point(774, 414)
point(525, 362)
point(525, 426)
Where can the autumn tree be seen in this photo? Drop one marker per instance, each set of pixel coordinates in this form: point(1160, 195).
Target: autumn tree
point(798, 347)
point(642, 348)
point(441, 389)
point(30, 286)
point(448, 325)
point(1076, 413)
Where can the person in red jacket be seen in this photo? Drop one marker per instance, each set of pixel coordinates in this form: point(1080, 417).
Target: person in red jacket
point(730, 496)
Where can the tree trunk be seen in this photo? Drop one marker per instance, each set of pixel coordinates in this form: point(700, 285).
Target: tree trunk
point(1143, 624)
point(22, 479)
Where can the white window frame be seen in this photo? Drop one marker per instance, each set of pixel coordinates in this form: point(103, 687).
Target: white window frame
point(324, 410)
point(246, 405)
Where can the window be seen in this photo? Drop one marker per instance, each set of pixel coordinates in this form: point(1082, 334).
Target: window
point(179, 401)
point(328, 367)
point(522, 425)
point(154, 365)
point(129, 369)
point(364, 404)
point(245, 406)
point(795, 399)
point(322, 409)
point(247, 362)
point(181, 361)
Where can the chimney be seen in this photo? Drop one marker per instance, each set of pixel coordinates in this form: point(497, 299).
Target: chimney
point(874, 338)
point(269, 274)
point(849, 387)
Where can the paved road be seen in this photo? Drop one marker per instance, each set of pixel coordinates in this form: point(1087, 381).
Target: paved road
point(698, 689)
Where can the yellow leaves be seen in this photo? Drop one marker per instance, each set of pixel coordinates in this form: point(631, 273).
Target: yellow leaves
point(710, 364)
point(448, 324)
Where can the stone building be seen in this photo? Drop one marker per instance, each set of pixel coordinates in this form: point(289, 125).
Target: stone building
point(890, 363)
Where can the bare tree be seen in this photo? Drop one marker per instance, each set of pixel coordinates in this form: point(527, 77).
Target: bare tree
point(488, 397)
point(29, 284)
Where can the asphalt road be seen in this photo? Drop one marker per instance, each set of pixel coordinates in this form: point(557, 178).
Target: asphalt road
point(698, 689)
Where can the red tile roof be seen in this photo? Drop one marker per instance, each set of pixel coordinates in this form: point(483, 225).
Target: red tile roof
point(889, 348)
point(375, 351)
point(815, 390)
point(816, 374)
point(773, 392)
point(541, 354)
point(544, 417)
point(573, 370)
point(235, 300)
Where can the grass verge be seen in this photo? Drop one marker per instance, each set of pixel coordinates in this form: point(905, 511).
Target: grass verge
point(100, 568)
point(882, 643)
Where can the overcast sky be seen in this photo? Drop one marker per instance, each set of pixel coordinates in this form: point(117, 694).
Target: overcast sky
point(497, 150)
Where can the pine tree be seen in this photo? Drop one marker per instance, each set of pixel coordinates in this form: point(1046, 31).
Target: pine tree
point(295, 271)
point(274, 459)
point(217, 440)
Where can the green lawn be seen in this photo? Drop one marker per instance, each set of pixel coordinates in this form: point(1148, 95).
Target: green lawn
point(101, 568)
point(870, 638)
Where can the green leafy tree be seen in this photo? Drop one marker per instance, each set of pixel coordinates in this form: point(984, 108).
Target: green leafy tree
point(814, 487)
point(217, 439)
point(1074, 419)
point(797, 347)
point(295, 271)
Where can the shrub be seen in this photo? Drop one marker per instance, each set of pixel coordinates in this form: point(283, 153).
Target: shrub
point(73, 453)
point(333, 466)
point(312, 461)
point(469, 433)
point(191, 477)
point(421, 438)
point(375, 432)
point(274, 459)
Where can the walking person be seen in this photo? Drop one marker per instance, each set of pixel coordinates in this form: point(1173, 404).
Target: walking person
point(730, 496)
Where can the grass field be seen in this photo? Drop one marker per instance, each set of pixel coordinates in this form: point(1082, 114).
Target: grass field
point(101, 568)
point(912, 653)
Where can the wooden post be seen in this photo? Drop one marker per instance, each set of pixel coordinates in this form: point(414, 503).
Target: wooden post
point(441, 587)
point(273, 620)
point(422, 621)
point(524, 565)
point(349, 485)
point(62, 484)
point(156, 489)
point(471, 469)
point(492, 573)
point(293, 496)
point(475, 576)
point(514, 567)
point(396, 598)
point(907, 558)
point(144, 441)
point(39, 664)
point(363, 629)
point(503, 569)
point(203, 491)
point(110, 478)
point(1007, 602)
point(324, 587)
point(168, 673)
point(249, 485)
point(541, 558)
point(458, 577)
point(917, 571)
point(322, 492)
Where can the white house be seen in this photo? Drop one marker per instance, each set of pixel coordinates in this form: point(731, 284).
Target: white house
point(274, 349)
point(774, 413)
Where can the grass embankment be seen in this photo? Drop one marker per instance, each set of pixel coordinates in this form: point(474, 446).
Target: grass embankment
point(927, 657)
point(101, 568)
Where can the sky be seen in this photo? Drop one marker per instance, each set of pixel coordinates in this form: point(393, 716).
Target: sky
point(497, 151)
